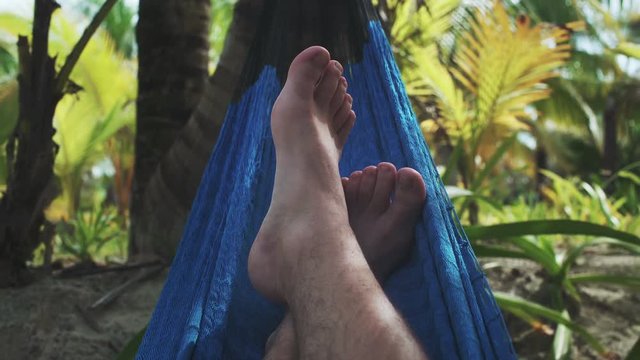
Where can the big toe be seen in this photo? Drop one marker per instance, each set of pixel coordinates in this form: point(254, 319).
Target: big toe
point(410, 193)
point(307, 69)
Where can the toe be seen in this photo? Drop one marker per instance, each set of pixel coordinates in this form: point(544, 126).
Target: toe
point(328, 85)
point(367, 185)
point(409, 194)
point(385, 183)
point(338, 97)
point(345, 130)
point(351, 188)
point(307, 69)
point(342, 114)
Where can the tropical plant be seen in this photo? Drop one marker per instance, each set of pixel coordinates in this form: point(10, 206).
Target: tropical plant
point(541, 232)
point(83, 236)
point(634, 353)
point(102, 106)
point(566, 198)
point(8, 63)
point(627, 187)
point(525, 240)
point(119, 24)
point(31, 149)
point(473, 85)
point(478, 89)
point(599, 89)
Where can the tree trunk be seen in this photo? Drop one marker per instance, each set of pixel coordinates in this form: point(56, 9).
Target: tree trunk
point(166, 200)
point(541, 163)
point(173, 40)
point(30, 182)
point(610, 153)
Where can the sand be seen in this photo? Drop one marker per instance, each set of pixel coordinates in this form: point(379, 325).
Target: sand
point(42, 321)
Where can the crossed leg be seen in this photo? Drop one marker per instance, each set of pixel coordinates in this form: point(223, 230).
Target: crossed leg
point(306, 253)
point(383, 228)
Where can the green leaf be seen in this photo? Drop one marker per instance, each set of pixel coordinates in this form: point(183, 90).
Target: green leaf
point(597, 194)
point(456, 192)
point(623, 280)
point(130, 350)
point(548, 227)
point(629, 49)
point(8, 63)
point(496, 251)
point(562, 340)
point(543, 256)
point(71, 60)
point(634, 249)
point(568, 106)
point(572, 255)
point(630, 176)
point(514, 304)
point(634, 353)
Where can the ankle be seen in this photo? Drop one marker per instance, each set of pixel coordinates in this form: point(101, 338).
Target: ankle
point(336, 256)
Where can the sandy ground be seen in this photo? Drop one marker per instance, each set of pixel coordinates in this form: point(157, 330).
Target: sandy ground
point(45, 320)
point(610, 313)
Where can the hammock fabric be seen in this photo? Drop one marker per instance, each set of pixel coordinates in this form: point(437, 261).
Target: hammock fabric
point(208, 308)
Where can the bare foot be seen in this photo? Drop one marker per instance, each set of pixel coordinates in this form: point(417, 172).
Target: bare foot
point(384, 224)
point(384, 206)
point(310, 122)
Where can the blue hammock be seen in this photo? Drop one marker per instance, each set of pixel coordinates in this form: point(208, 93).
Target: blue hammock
point(208, 308)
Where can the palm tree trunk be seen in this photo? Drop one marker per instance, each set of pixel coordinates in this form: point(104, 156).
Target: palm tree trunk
point(163, 205)
point(541, 163)
point(173, 69)
point(610, 153)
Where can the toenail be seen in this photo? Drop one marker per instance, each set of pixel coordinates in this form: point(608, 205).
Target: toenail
point(338, 66)
point(318, 58)
point(405, 183)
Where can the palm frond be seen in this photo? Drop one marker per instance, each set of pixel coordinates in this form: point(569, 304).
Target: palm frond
point(505, 64)
point(431, 78)
point(417, 25)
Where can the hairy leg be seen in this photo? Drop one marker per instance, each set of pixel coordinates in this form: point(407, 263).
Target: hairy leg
point(384, 206)
point(305, 253)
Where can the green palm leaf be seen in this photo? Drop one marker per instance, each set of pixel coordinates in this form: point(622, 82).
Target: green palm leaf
point(548, 227)
point(518, 305)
